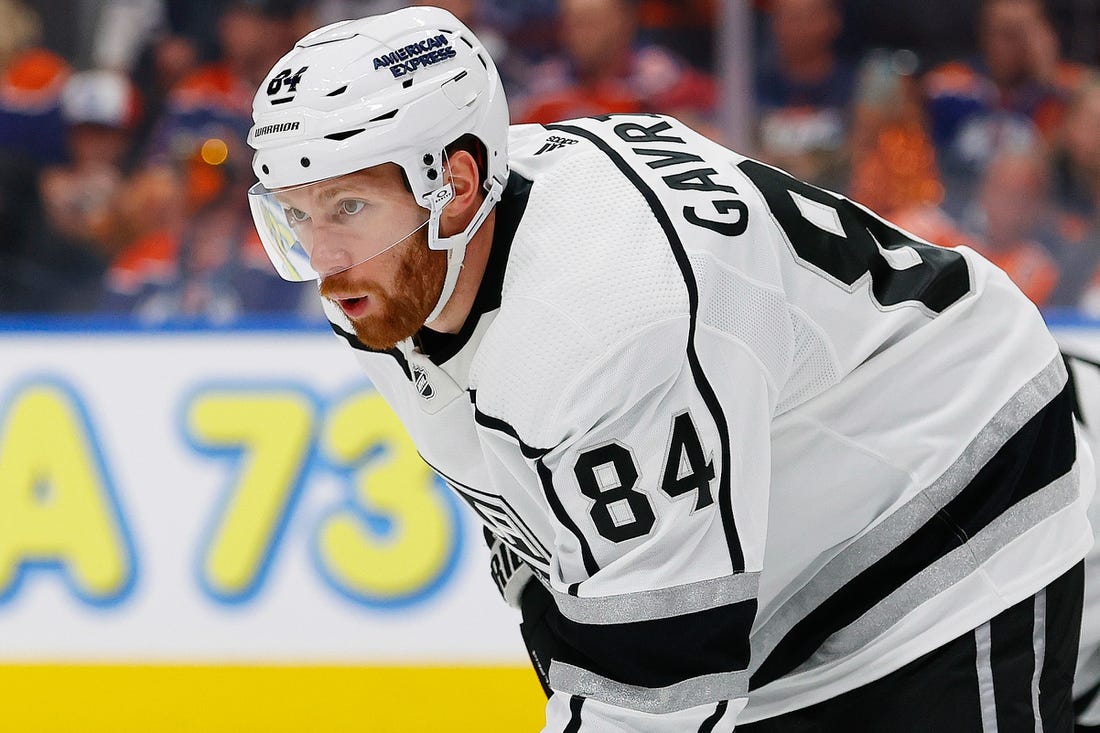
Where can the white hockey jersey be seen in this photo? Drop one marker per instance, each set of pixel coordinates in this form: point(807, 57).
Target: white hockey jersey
point(762, 446)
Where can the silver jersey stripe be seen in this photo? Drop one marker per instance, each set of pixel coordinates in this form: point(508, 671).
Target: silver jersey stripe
point(1039, 645)
point(709, 688)
point(983, 643)
point(949, 569)
point(649, 605)
point(894, 529)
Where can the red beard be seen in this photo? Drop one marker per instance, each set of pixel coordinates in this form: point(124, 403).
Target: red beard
point(399, 313)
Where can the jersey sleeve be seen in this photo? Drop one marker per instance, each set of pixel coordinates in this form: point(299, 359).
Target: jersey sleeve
point(658, 499)
point(1085, 384)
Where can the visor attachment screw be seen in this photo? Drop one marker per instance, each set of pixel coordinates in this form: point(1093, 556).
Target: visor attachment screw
point(429, 159)
point(264, 168)
point(432, 174)
point(305, 162)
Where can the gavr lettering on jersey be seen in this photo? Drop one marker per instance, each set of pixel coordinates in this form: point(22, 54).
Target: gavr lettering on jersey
point(697, 178)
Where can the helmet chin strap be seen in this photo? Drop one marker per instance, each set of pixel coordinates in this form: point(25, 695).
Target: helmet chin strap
point(456, 244)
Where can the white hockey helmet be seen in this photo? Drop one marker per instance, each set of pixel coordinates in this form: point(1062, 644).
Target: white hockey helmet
point(395, 88)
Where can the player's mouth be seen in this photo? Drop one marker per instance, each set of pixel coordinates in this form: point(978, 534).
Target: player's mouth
point(354, 307)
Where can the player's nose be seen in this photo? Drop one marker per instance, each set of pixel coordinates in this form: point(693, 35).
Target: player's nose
point(330, 254)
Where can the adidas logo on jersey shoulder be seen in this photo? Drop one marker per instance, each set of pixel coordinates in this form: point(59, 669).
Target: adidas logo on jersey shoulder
point(555, 142)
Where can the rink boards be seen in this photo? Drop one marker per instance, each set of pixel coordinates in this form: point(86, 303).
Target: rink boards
point(228, 530)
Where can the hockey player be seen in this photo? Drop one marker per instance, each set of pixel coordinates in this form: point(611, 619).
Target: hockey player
point(768, 461)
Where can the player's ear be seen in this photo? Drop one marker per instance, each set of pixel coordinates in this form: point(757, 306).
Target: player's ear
point(463, 175)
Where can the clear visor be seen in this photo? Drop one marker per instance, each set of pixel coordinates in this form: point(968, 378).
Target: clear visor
point(322, 228)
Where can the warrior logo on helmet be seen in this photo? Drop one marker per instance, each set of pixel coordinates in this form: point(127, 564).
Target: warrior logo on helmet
point(272, 129)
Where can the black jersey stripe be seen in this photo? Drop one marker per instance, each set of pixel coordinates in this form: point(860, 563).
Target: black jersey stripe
point(1071, 384)
point(709, 723)
point(514, 532)
point(1058, 637)
point(546, 479)
point(1072, 360)
point(576, 702)
point(1010, 636)
point(1070, 356)
point(441, 347)
point(725, 497)
point(658, 652)
point(873, 546)
point(496, 424)
point(355, 343)
point(1035, 457)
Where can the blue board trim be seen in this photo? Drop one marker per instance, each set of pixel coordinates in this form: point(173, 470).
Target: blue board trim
point(113, 323)
point(1069, 318)
point(50, 324)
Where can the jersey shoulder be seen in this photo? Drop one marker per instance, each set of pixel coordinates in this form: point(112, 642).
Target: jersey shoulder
point(590, 246)
point(589, 268)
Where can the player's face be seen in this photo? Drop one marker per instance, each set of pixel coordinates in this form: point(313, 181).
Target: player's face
point(388, 297)
point(344, 221)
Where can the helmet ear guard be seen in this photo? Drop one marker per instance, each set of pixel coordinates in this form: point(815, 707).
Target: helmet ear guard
point(438, 199)
point(456, 243)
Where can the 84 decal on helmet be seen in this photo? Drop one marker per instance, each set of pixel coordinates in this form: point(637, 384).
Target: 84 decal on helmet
point(286, 78)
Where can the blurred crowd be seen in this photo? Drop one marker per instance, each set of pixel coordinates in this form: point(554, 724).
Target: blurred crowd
point(123, 163)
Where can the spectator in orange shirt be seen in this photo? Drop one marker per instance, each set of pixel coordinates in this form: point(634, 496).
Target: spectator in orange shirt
point(192, 253)
point(62, 266)
point(1011, 219)
point(604, 69)
point(31, 80)
point(894, 169)
point(1077, 159)
point(803, 93)
point(32, 134)
point(1077, 192)
point(214, 269)
point(151, 218)
point(164, 62)
point(1013, 222)
point(215, 101)
point(101, 109)
point(1012, 97)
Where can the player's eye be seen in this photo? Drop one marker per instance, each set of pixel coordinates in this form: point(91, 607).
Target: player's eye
point(351, 207)
point(295, 216)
